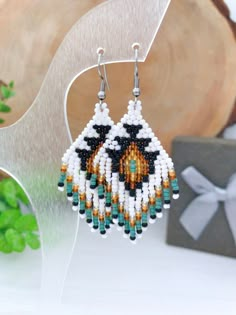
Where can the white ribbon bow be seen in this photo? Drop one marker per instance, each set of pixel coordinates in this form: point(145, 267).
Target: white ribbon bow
point(201, 210)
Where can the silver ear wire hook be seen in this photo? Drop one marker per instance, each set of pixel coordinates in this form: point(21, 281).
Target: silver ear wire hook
point(103, 77)
point(136, 89)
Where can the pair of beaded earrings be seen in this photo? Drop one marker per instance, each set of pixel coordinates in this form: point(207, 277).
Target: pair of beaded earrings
point(118, 174)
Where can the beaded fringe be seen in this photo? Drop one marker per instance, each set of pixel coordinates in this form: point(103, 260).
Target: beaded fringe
point(119, 173)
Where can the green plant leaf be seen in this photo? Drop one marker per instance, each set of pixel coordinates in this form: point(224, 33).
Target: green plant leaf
point(3, 206)
point(7, 91)
point(9, 192)
point(5, 247)
point(32, 240)
point(21, 194)
point(9, 217)
point(11, 85)
point(26, 223)
point(1, 121)
point(4, 108)
point(15, 239)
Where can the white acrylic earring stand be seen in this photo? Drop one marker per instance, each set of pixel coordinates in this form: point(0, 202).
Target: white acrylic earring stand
point(31, 149)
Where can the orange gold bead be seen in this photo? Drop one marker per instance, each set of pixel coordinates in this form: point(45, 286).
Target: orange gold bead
point(69, 179)
point(115, 198)
point(108, 188)
point(121, 209)
point(101, 217)
point(166, 184)
point(95, 212)
point(82, 196)
point(152, 201)
point(64, 168)
point(132, 222)
point(126, 216)
point(88, 204)
point(75, 188)
point(144, 208)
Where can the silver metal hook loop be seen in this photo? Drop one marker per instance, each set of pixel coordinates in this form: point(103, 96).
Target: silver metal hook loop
point(103, 77)
point(136, 89)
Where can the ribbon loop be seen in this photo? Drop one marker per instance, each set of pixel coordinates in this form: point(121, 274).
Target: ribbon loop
point(201, 210)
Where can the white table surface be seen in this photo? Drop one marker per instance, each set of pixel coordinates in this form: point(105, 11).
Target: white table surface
point(112, 276)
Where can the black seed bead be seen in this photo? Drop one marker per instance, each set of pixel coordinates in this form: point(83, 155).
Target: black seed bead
point(107, 226)
point(60, 184)
point(145, 178)
point(167, 202)
point(158, 210)
point(139, 185)
point(115, 216)
point(121, 177)
point(82, 211)
point(83, 167)
point(69, 194)
point(127, 186)
point(102, 232)
point(88, 176)
point(101, 197)
point(75, 203)
point(153, 216)
point(127, 231)
point(120, 223)
point(144, 224)
point(176, 192)
point(139, 231)
point(77, 150)
point(108, 204)
point(132, 192)
point(89, 221)
point(133, 238)
point(93, 186)
point(95, 227)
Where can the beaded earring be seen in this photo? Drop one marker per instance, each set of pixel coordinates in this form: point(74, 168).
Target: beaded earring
point(77, 162)
point(133, 173)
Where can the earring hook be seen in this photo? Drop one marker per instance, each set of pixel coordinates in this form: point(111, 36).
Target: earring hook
point(103, 77)
point(136, 89)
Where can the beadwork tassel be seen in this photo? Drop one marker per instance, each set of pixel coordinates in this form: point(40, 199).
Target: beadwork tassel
point(135, 176)
point(77, 164)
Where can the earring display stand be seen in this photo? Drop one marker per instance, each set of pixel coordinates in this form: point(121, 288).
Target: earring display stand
point(31, 149)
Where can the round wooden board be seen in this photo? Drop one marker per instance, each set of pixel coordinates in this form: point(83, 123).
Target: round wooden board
point(188, 81)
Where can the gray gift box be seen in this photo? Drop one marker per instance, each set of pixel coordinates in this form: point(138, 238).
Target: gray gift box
point(204, 217)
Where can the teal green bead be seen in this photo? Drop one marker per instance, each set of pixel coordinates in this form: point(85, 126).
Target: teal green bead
point(95, 221)
point(82, 204)
point(121, 218)
point(152, 210)
point(102, 226)
point(62, 177)
point(69, 187)
point(108, 197)
point(127, 225)
point(75, 197)
point(100, 190)
point(158, 203)
point(107, 220)
point(174, 184)
point(114, 208)
point(144, 217)
point(138, 225)
point(88, 212)
point(132, 166)
point(166, 193)
point(132, 231)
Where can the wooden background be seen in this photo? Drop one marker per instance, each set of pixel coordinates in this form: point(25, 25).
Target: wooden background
point(188, 82)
